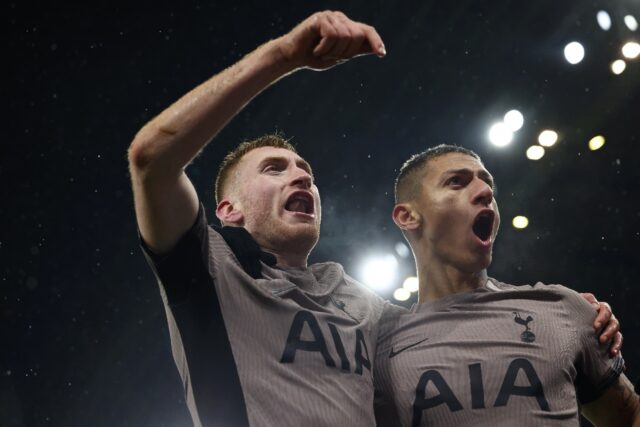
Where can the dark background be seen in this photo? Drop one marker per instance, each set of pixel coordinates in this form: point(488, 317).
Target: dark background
point(84, 340)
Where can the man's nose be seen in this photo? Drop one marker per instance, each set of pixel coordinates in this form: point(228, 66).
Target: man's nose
point(483, 195)
point(302, 179)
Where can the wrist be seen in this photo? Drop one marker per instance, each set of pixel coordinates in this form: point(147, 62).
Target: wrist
point(276, 58)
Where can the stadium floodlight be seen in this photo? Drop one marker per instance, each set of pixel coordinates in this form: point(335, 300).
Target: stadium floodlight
point(631, 50)
point(604, 20)
point(500, 135)
point(401, 294)
point(574, 53)
point(378, 272)
point(596, 142)
point(411, 284)
point(513, 120)
point(548, 137)
point(618, 66)
point(535, 152)
point(520, 222)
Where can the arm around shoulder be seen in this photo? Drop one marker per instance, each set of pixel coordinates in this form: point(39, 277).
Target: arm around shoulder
point(619, 405)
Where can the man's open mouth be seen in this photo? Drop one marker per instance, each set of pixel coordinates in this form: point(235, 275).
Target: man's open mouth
point(483, 224)
point(300, 201)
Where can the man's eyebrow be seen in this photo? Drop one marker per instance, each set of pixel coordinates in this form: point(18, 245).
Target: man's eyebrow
point(463, 171)
point(483, 174)
point(283, 160)
point(273, 159)
point(486, 175)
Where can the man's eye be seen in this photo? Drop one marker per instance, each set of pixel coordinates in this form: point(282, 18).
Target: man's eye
point(454, 180)
point(271, 169)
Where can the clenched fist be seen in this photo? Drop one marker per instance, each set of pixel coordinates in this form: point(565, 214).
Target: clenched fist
point(328, 38)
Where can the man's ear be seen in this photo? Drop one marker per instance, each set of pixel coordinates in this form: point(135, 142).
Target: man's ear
point(405, 217)
point(228, 214)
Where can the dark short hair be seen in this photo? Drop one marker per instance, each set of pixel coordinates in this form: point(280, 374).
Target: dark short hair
point(409, 181)
point(232, 159)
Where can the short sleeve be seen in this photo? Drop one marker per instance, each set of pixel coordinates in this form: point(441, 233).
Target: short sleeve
point(596, 371)
point(185, 265)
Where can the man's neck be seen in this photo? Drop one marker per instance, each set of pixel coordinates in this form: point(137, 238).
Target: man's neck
point(288, 259)
point(439, 280)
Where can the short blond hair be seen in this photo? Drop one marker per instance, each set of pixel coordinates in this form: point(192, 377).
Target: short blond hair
point(232, 159)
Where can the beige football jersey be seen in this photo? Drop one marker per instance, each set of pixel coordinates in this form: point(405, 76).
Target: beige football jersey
point(501, 355)
point(300, 341)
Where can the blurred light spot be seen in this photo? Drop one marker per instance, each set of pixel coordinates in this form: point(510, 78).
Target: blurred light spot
point(378, 272)
point(547, 138)
point(401, 294)
point(402, 250)
point(411, 284)
point(596, 143)
point(535, 152)
point(618, 66)
point(520, 222)
point(604, 20)
point(513, 120)
point(500, 135)
point(574, 52)
point(631, 22)
point(631, 50)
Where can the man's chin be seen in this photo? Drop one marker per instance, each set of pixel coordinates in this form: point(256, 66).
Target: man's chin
point(476, 264)
point(298, 237)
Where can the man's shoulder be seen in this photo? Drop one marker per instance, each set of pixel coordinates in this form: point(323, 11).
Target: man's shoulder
point(551, 288)
point(571, 300)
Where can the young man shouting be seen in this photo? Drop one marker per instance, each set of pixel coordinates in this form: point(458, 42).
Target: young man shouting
point(474, 350)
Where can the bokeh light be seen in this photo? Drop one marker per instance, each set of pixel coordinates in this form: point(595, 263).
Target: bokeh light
point(378, 272)
point(401, 294)
point(535, 152)
point(604, 20)
point(520, 222)
point(548, 137)
point(411, 284)
point(596, 142)
point(513, 120)
point(500, 135)
point(574, 53)
point(631, 50)
point(618, 66)
point(631, 22)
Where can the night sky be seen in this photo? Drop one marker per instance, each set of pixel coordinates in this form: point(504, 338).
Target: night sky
point(84, 339)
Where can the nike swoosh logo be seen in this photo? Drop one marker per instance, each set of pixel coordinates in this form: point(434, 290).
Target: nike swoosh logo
point(395, 353)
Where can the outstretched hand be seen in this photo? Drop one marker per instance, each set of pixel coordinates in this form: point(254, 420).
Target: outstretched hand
point(328, 38)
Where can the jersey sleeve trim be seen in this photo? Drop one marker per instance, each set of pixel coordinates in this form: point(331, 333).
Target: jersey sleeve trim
point(588, 392)
point(180, 268)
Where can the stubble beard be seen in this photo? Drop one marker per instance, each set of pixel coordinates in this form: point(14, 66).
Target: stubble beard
point(280, 237)
point(295, 238)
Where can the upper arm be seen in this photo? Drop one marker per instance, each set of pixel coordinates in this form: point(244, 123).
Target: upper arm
point(166, 206)
point(617, 406)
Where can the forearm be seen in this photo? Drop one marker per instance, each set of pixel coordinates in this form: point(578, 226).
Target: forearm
point(618, 406)
point(170, 141)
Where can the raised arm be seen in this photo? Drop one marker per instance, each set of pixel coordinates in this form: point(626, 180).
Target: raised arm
point(165, 200)
point(618, 406)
